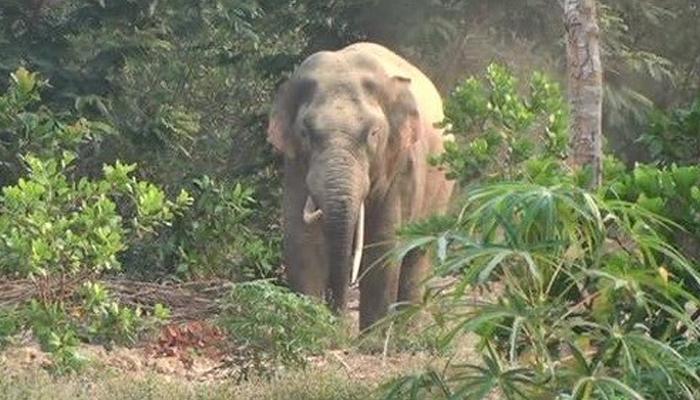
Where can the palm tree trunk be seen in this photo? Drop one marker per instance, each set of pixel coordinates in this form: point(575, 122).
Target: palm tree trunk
point(585, 86)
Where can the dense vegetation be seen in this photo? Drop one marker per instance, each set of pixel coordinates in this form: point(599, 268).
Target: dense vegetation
point(132, 144)
point(592, 293)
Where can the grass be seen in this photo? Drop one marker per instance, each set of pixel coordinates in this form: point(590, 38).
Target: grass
point(113, 385)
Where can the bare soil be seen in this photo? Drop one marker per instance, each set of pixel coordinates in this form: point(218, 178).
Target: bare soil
point(192, 351)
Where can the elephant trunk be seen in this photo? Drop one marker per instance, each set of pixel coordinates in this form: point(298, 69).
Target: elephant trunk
point(340, 227)
point(342, 192)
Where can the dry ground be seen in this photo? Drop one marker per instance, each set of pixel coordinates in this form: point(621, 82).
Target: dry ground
point(132, 374)
point(153, 370)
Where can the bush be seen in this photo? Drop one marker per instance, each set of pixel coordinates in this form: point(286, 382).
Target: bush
point(674, 137)
point(215, 237)
point(60, 230)
point(672, 192)
point(585, 310)
point(589, 296)
point(54, 227)
point(28, 127)
point(104, 320)
point(273, 327)
point(10, 324)
point(502, 134)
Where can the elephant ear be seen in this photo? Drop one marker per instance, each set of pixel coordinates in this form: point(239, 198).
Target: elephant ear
point(280, 118)
point(404, 120)
point(283, 114)
point(403, 115)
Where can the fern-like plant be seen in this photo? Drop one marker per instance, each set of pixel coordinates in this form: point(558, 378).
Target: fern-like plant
point(580, 307)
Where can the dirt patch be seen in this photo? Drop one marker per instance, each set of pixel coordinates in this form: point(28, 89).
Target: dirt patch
point(141, 362)
point(191, 351)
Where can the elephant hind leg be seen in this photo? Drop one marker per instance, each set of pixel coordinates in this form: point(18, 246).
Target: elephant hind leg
point(414, 272)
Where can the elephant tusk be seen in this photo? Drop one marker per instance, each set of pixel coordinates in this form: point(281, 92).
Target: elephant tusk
point(311, 212)
point(359, 244)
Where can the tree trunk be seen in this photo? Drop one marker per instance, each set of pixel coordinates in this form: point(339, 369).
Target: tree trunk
point(585, 86)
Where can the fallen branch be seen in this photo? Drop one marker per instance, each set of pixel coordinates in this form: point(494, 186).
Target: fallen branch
point(186, 301)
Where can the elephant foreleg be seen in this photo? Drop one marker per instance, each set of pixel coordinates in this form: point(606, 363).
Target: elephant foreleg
point(305, 262)
point(304, 249)
point(379, 273)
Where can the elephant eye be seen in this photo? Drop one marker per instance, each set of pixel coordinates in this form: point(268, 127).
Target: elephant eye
point(306, 133)
point(371, 137)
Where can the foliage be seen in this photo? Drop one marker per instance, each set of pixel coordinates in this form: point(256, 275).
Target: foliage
point(671, 189)
point(187, 85)
point(53, 227)
point(104, 320)
point(27, 127)
point(584, 309)
point(591, 296)
point(59, 230)
point(10, 324)
point(274, 327)
point(215, 236)
point(502, 134)
point(674, 137)
point(91, 316)
point(673, 192)
point(56, 334)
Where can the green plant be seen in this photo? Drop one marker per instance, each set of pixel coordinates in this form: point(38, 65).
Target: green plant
point(674, 137)
point(210, 236)
point(29, 127)
point(502, 134)
point(672, 192)
point(274, 327)
point(106, 321)
point(56, 334)
point(585, 310)
point(219, 235)
point(10, 324)
point(63, 346)
point(55, 227)
point(54, 230)
point(60, 230)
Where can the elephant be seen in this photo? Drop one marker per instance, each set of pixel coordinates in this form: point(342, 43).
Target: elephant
point(356, 128)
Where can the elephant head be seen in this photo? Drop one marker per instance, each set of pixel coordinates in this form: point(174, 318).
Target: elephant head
point(350, 125)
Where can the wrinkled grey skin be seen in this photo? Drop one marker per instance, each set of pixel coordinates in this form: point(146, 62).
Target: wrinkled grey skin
point(357, 125)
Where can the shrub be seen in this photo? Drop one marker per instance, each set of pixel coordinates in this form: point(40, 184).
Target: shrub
point(54, 230)
point(272, 327)
point(673, 140)
point(501, 134)
point(585, 310)
point(215, 238)
point(674, 137)
point(54, 227)
point(219, 235)
point(672, 192)
point(592, 297)
point(28, 127)
point(60, 230)
point(10, 324)
point(104, 320)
